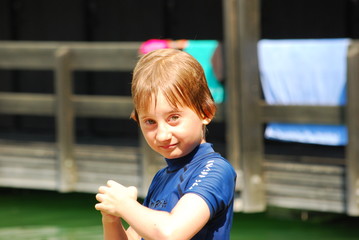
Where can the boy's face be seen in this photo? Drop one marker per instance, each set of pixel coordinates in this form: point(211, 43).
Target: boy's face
point(171, 132)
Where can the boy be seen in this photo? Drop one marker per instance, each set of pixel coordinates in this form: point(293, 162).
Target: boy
point(192, 198)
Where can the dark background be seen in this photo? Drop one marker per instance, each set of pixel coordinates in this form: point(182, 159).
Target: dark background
point(139, 20)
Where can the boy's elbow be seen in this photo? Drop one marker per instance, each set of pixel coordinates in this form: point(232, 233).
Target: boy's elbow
point(168, 233)
point(164, 233)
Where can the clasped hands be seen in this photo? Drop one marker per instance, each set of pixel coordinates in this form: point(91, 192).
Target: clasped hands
point(112, 198)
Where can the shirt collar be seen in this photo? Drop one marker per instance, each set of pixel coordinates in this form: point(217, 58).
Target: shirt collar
point(176, 163)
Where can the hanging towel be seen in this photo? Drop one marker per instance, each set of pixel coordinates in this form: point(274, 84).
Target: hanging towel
point(304, 72)
point(203, 51)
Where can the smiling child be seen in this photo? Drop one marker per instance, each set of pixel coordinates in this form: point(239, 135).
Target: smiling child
point(192, 197)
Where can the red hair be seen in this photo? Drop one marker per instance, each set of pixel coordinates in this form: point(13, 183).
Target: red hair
point(175, 74)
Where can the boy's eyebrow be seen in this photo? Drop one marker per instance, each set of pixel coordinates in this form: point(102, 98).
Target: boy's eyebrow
point(175, 111)
point(146, 115)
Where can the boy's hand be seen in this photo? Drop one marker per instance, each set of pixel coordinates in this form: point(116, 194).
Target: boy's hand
point(112, 197)
point(107, 218)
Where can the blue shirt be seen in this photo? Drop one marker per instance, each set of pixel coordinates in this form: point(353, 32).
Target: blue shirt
point(205, 173)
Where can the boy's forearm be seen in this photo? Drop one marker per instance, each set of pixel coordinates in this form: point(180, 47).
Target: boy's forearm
point(157, 225)
point(151, 224)
point(116, 201)
point(113, 230)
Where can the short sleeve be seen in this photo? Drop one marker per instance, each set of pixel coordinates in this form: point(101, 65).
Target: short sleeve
point(214, 181)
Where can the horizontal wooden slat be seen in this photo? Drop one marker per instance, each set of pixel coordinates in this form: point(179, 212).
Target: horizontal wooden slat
point(306, 204)
point(39, 152)
point(27, 165)
point(48, 184)
point(285, 189)
point(26, 172)
point(34, 165)
point(26, 162)
point(112, 154)
point(27, 104)
point(23, 167)
point(92, 187)
point(108, 167)
point(303, 114)
point(304, 179)
point(103, 106)
point(26, 58)
point(305, 168)
point(331, 161)
point(102, 178)
point(107, 56)
point(85, 106)
point(44, 150)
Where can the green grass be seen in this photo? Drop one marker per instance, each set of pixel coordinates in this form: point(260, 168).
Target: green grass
point(270, 226)
point(45, 215)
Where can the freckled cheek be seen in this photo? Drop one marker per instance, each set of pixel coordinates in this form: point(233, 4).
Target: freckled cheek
point(185, 132)
point(148, 135)
point(194, 128)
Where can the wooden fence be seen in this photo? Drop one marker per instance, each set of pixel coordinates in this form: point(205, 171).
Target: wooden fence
point(66, 165)
point(300, 182)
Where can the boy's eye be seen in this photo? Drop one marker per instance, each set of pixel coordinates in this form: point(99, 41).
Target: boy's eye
point(174, 118)
point(150, 121)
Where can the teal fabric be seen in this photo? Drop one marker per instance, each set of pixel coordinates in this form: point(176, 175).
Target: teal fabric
point(203, 51)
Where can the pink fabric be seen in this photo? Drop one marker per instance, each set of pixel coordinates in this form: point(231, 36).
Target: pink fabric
point(153, 44)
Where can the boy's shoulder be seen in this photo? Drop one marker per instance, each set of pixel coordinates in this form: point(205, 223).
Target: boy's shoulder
point(214, 162)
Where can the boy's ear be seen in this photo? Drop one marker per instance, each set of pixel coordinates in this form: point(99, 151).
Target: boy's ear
point(134, 116)
point(206, 121)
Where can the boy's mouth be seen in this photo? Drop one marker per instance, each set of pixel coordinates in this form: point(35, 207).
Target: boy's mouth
point(169, 146)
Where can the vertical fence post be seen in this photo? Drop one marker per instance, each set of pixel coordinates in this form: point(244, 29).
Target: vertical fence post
point(244, 131)
point(67, 175)
point(352, 120)
point(250, 95)
point(232, 113)
point(231, 64)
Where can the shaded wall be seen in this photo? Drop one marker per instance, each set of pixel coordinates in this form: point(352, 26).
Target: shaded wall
point(135, 20)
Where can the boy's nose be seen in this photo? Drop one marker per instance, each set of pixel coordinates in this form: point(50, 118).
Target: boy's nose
point(163, 133)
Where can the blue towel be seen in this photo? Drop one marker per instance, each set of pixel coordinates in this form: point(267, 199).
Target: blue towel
point(305, 72)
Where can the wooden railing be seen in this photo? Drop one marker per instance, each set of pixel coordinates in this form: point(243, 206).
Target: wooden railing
point(246, 113)
point(64, 58)
point(245, 126)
